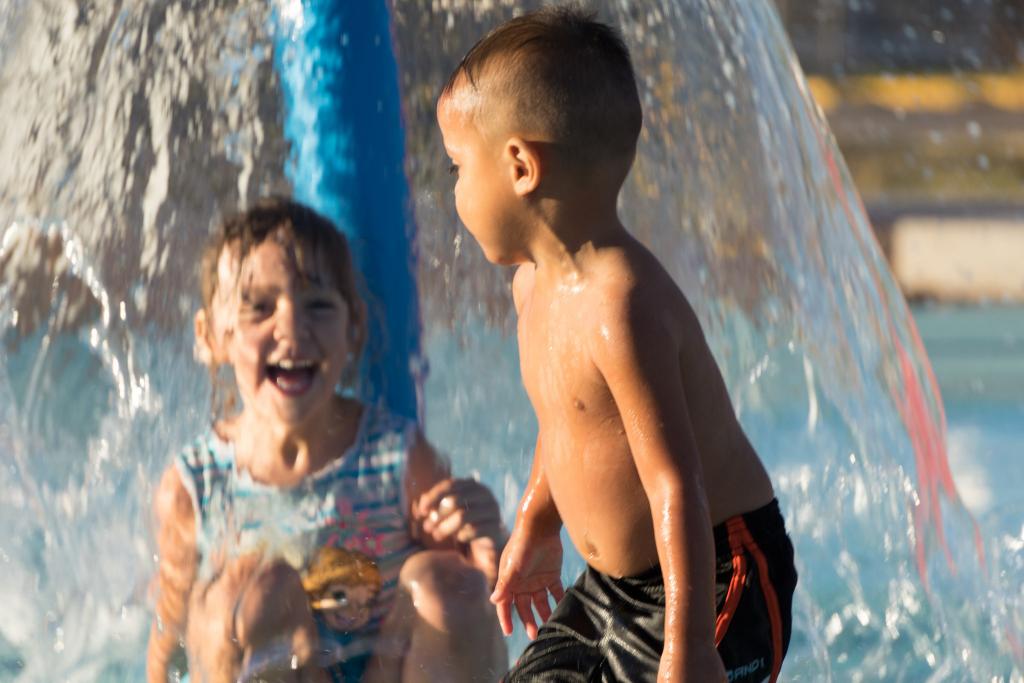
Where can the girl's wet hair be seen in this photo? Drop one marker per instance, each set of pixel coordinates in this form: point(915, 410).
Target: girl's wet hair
point(312, 241)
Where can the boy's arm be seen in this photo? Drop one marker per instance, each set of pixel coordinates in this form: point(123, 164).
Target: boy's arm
point(176, 572)
point(537, 513)
point(639, 359)
point(531, 565)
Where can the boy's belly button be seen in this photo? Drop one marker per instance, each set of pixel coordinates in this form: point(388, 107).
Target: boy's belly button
point(589, 551)
point(579, 405)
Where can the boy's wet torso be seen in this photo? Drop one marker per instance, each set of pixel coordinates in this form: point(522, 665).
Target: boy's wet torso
point(583, 444)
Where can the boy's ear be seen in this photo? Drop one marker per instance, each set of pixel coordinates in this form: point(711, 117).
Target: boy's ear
point(525, 165)
point(203, 349)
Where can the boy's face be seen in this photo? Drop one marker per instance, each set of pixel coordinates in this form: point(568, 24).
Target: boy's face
point(291, 338)
point(484, 198)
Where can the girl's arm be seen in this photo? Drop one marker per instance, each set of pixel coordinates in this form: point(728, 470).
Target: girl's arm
point(453, 514)
point(176, 572)
point(427, 468)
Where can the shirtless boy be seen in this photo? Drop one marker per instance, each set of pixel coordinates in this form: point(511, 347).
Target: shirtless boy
point(639, 453)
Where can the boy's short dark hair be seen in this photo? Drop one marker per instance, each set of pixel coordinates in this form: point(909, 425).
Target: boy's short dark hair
point(567, 75)
point(307, 236)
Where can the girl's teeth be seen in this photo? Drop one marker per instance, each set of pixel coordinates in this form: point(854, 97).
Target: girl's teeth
point(288, 364)
point(292, 377)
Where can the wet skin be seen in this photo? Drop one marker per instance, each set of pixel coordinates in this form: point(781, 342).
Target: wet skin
point(639, 452)
point(585, 446)
point(588, 302)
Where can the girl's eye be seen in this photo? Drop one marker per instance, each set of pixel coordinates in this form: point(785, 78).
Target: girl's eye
point(453, 170)
point(321, 305)
point(257, 308)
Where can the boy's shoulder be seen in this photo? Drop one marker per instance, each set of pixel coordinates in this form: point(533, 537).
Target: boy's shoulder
point(522, 284)
point(631, 279)
point(634, 299)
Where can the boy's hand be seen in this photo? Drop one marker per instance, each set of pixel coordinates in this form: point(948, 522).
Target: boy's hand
point(462, 513)
point(530, 569)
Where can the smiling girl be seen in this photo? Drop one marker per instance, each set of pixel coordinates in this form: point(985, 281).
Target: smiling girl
point(303, 483)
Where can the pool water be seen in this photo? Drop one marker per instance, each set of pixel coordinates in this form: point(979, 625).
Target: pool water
point(978, 357)
point(140, 121)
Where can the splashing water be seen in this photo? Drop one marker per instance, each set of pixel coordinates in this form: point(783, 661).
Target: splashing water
point(740, 190)
point(127, 126)
point(131, 127)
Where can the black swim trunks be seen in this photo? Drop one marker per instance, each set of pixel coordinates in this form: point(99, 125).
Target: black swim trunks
point(609, 629)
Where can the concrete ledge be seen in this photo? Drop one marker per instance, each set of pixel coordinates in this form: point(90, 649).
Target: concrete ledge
point(958, 259)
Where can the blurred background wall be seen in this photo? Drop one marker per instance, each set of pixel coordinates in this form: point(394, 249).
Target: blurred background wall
point(926, 100)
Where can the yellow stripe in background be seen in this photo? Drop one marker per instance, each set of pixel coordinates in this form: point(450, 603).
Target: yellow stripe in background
point(938, 93)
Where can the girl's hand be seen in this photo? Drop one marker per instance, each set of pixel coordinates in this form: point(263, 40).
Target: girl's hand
point(530, 570)
point(462, 514)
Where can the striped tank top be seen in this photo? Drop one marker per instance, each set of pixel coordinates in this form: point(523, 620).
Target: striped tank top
point(345, 528)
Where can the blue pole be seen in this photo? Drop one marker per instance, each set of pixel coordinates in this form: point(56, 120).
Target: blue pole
point(343, 119)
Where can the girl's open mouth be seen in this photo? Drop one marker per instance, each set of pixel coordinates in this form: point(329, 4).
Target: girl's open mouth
point(292, 377)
